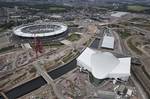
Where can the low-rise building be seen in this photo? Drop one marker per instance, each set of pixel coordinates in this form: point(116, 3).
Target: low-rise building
point(108, 42)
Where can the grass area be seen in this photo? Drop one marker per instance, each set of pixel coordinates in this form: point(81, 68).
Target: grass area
point(73, 25)
point(57, 9)
point(137, 8)
point(6, 26)
point(6, 49)
point(2, 29)
point(32, 70)
point(139, 20)
point(58, 63)
point(74, 37)
point(51, 44)
point(68, 57)
point(55, 44)
point(124, 35)
point(87, 42)
point(140, 75)
point(50, 7)
point(49, 65)
point(96, 82)
point(141, 23)
point(133, 47)
point(114, 26)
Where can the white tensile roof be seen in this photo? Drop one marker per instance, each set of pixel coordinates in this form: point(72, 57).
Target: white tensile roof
point(104, 64)
point(108, 42)
point(18, 30)
point(119, 14)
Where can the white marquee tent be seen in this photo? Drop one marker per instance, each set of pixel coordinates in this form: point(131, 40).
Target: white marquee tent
point(104, 64)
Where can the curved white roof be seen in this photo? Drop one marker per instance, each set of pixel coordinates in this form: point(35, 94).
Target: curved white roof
point(101, 64)
point(104, 64)
point(119, 14)
point(18, 30)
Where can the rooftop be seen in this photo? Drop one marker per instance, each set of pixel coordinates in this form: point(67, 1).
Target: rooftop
point(104, 64)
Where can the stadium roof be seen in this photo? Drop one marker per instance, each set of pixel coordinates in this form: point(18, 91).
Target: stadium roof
point(108, 42)
point(18, 30)
point(104, 64)
point(118, 14)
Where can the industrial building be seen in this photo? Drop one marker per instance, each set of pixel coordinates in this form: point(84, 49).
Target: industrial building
point(108, 42)
point(119, 14)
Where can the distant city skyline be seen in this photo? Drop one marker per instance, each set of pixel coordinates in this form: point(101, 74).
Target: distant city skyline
point(74, 1)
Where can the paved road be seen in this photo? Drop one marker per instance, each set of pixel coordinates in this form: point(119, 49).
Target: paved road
point(139, 87)
point(1, 97)
point(40, 69)
point(38, 82)
point(95, 43)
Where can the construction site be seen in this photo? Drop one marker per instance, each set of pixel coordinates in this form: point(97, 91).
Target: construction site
point(43, 66)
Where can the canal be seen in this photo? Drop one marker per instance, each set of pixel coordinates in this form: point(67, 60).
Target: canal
point(38, 82)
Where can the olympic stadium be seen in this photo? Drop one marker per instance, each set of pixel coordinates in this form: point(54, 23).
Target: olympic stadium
point(52, 31)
